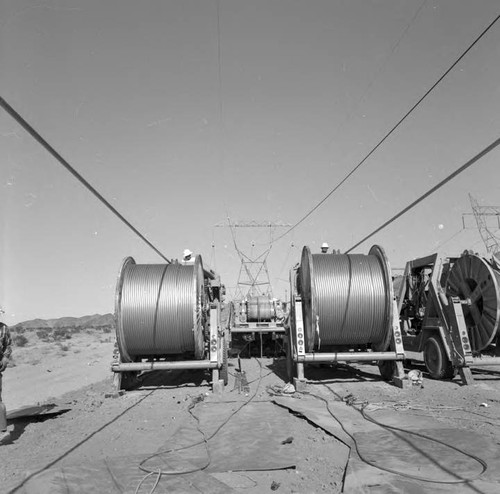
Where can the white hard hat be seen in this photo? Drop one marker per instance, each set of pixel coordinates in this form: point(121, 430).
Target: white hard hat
point(187, 253)
point(324, 245)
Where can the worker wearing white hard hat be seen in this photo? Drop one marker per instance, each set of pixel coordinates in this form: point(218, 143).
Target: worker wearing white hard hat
point(187, 257)
point(324, 248)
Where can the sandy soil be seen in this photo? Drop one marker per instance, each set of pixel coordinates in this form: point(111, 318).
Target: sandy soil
point(139, 422)
point(90, 422)
point(44, 370)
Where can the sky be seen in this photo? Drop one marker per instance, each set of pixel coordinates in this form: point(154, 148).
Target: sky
point(183, 114)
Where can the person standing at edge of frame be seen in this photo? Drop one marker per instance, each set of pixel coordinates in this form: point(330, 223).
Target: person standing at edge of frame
point(5, 353)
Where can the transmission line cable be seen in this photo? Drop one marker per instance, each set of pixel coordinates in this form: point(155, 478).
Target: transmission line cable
point(382, 65)
point(449, 239)
point(280, 272)
point(28, 128)
point(388, 134)
point(469, 163)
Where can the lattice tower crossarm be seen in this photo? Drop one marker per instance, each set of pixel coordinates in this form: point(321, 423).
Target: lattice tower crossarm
point(253, 277)
point(490, 239)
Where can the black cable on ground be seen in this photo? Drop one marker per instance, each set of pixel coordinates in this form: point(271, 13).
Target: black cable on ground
point(204, 441)
point(430, 409)
point(73, 448)
point(464, 167)
point(28, 128)
point(483, 464)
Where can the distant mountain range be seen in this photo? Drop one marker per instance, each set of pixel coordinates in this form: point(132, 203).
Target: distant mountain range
point(95, 321)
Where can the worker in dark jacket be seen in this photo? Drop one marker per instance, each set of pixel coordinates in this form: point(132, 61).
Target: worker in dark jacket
point(5, 353)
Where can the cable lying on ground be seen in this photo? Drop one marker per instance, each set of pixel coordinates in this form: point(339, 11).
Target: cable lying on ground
point(361, 405)
point(204, 441)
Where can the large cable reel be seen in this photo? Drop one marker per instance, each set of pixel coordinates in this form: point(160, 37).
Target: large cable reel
point(259, 308)
point(160, 310)
point(347, 299)
point(476, 281)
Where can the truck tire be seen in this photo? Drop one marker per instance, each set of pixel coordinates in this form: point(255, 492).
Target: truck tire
point(436, 361)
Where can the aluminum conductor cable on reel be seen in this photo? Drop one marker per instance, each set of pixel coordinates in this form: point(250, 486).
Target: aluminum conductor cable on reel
point(349, 305)
point(347, 299)
point(159, 310)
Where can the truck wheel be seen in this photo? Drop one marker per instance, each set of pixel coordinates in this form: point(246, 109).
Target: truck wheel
point(436, 361)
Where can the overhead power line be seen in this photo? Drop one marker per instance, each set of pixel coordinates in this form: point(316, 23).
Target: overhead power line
point(28, 128)
point(449, 239)
point(382, 65)
point(388, 134)
point(469, 163)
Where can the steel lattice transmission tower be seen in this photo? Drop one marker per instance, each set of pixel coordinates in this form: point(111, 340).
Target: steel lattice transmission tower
point(488, 233)
point(253, 277)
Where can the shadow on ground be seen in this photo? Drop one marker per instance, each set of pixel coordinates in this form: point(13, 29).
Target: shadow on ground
point(332, 373)
point(278, 366)
point(174, 378)
point(21, 423)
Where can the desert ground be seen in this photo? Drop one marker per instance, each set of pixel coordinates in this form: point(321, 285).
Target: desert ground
point(348, 431)
point(45, 368)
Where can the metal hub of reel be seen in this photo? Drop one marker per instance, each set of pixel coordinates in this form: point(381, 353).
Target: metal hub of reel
point(474, 280)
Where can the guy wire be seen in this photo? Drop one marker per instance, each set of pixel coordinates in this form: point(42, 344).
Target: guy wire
point(464, 167)
point(391, 131)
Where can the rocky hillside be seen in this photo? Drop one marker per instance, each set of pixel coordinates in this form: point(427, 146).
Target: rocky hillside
point(94, 321)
